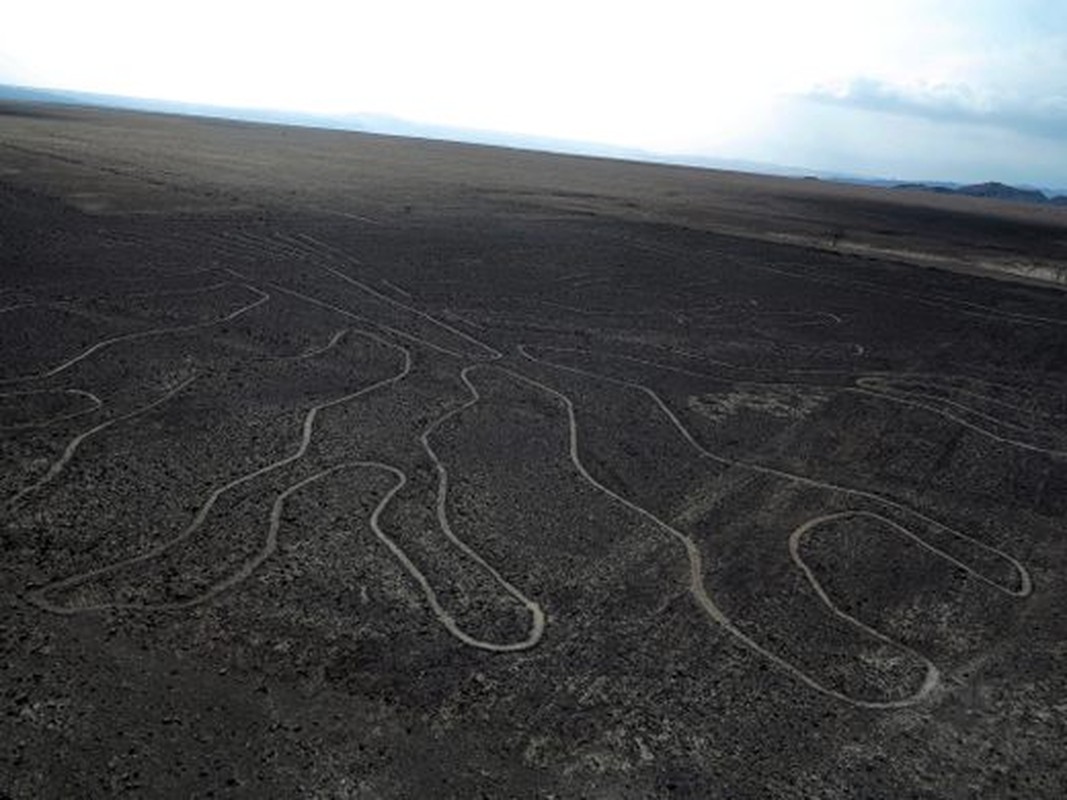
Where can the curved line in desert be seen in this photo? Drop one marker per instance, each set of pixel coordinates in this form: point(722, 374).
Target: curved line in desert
point(696, 572)
point(40, 599)
point(852, 372)
point(95, 404)
point(887, 385)
point(947, 382)
point(962, 307)
point(129, 337)
point(72, 446)
point(858, 389)
point(307, 428)
point(1025, 581)
point(318, 351)
point(536, 613)
point(245, 571)
point(885, 388)
point(941, 412)
point(698, 589)
point(446, 619)
point(270, 546)
point(940, 301)
point(795, 541)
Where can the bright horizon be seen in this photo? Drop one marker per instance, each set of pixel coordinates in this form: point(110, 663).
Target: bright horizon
point(908, 89)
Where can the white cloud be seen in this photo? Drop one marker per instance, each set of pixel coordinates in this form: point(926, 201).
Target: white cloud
point(1040, 114)
point(672, 75)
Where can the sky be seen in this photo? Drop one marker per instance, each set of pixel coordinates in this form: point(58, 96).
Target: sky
point(963, 90)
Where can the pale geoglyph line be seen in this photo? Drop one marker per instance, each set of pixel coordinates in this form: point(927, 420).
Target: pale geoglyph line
point(947, 382)
point(885, 386)
point(272, 246)
point(402, 292)
point(962, 307)
point(570, 276)
point(307, 428)
point(536, 613)
point(454, 314)
point(795, 540)
point(697, 587)
point(349, 215)
point(1024, 576)
point(40, 596)
point(446, 619)
point(933, 674)
point(988, 434)
point(1008, 440)
point(353, 315)
point(96, 402)
point(325, 252)
point(366, 320)
point(325, 257)
point(253, 244)
point(245, 571)
point(228, 244)
point(860, 388)
point(822, 315)
point(72, 446)
point(317, 351)
point(129, 337)
point(851, 372)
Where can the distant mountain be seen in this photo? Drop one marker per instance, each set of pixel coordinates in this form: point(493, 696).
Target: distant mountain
point(991, 189)
point(937, 188)
point(26, 94)
point(1001, 191)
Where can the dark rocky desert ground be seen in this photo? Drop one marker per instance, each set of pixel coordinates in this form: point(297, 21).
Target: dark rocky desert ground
point(343, 466)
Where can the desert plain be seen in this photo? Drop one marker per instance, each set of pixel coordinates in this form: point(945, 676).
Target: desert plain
point(347, 466)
